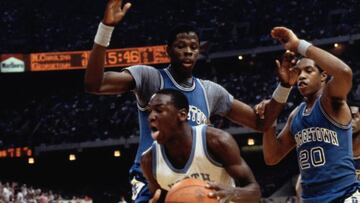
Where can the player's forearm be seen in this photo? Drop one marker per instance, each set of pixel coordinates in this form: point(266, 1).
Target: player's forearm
point(272, 112)
point(271, 146)
point(249, 194)
point(95, 69)
point(329, 63)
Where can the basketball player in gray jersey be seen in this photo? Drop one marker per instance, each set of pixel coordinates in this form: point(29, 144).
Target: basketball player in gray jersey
point(206, 98)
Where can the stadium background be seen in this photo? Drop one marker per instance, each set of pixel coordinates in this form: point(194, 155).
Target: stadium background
point(49, 113)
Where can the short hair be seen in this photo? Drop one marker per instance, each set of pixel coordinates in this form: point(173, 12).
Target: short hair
point(180, 28)
point(318, 67)
point(179, 100)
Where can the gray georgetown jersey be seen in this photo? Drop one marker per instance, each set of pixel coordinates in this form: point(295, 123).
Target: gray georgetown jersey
point(148, 81)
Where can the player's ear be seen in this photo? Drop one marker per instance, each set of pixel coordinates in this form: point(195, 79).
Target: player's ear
point(168, 50)
point(183, 114)
point(324, 76)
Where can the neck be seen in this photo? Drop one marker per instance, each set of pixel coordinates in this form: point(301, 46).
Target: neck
point(310, 100)
point(180, 76)
point(179, 147)
point(180, 137)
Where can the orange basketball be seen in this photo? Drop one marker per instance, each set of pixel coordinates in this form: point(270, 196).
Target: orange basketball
point(189, 191)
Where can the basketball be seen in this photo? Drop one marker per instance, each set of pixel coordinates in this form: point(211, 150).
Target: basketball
point(189, 191)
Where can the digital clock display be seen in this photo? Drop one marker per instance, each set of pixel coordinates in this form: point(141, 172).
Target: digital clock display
point(114, 58)
point(16, 152)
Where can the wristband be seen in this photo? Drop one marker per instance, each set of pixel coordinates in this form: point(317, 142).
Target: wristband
point(303, 47)
point(281, 94)
point(103, 35)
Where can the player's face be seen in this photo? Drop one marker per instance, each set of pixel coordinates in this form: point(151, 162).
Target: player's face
point(163, 117)
point(310, 78)
point(355, 119)
point(184, 51)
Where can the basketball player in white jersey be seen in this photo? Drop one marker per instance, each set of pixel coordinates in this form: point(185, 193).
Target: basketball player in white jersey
point(181, 151)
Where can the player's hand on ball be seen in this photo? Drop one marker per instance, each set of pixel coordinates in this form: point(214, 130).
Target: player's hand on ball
point(115, 12)
point(223, 193)
point(156, 196)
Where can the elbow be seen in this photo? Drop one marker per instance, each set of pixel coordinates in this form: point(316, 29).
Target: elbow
point(270, 161)
point(257, 193)
point(347, 72)
point(91, 88)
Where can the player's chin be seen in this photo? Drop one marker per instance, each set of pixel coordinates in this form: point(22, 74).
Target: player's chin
point(160, 141)
point(303, 91)
point(187, 66)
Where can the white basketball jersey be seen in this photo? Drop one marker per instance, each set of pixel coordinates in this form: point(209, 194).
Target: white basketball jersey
point(199, 166)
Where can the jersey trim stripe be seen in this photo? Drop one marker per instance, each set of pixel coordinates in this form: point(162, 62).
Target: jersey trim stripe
point(189, 89)
point(154, 158)
point(331, 120)
point(206, 98)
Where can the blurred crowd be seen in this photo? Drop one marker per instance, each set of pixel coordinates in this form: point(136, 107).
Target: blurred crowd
point(21, 193)
point(39, 26)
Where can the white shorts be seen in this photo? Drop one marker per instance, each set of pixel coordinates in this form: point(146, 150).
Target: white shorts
point(354, 198)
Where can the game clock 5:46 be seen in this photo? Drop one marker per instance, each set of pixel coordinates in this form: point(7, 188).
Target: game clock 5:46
point(70, 60)
point(15, 152)
point(138, 55)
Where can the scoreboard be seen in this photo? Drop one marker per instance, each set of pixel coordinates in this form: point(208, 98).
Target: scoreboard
point(16, 152)
point(70, 60)
point(58, 60)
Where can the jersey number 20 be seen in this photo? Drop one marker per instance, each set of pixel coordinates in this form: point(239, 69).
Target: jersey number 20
point(314, 157)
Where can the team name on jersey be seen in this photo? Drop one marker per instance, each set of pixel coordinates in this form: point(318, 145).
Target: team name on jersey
point(201, 176)
point(316, 134)
point(196, 115)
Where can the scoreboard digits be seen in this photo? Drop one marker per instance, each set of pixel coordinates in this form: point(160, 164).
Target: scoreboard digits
point(113, 58)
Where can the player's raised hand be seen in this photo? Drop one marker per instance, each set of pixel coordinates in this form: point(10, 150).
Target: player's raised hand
point(286, 70)
point(115, 12)
point(287, 38)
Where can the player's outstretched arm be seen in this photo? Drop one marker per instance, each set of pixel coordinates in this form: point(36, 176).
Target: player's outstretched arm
point(96, 81)
point(276, 147)
point(244, 114)
point(224, 149)
point(340, 84)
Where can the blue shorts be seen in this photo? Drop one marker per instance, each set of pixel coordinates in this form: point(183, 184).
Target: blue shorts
point(140, 190)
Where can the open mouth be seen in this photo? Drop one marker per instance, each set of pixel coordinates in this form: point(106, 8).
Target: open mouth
point(154, 132)
point(187, 62)
point(301, 84)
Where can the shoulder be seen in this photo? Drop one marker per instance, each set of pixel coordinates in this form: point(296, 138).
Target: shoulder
point(209, 84)
point(215, 90)
point(295, 111)
point(141, 69)
point(146, 157)
point(292, 114)
point(217, 138)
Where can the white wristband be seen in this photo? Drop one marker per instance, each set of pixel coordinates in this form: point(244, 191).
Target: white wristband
point(103, 35)
point(303, 47)
point(281, 94)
